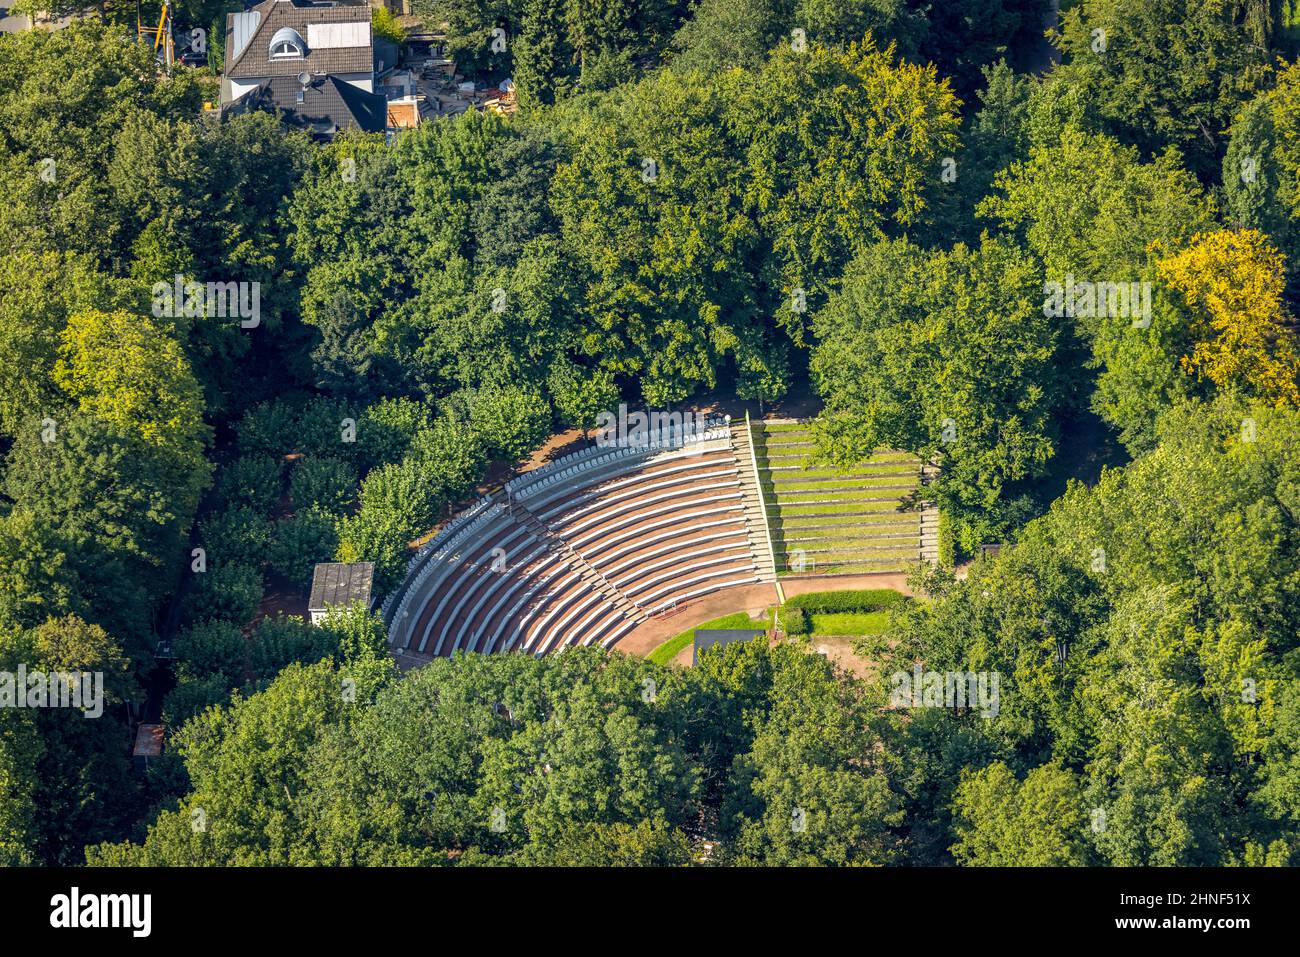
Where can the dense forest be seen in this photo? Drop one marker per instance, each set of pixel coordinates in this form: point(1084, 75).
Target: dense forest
point(870, 199)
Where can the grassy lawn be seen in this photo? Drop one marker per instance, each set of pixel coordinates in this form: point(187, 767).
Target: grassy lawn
point(803, 482)
point(670, 648)
point(827, 553)
point(845, 567)
point(879, 460)
point(852, 624)
point(887, 507)
point(863, 500)
point(849, 623)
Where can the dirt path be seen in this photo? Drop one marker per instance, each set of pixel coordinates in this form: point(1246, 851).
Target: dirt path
point(754, 599)
point(804, 586)
point(649, 635)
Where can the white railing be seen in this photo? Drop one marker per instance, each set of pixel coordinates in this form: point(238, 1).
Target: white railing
point(485, 511)
point(423, 552)
point(569, 466)
point(762, 500)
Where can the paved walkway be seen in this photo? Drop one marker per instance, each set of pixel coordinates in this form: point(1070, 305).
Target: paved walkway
point(648, 636)
point(802, 586)
point(754, 599)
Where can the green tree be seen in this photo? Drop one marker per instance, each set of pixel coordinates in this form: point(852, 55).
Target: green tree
point(946, 355)
point(299, 542)
point(323, 483)
point(1167, 72)
point(831, 163)
point(581, 395)
point(808, 791)
point(253, 481)
point(74, 769)
point(128, 372)
point(237, 536)
point(226, 591)
point(211, 647)
point(511, 422)
point(1037, 822)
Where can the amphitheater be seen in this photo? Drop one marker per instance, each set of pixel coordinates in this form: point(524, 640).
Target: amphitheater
point(585, 549)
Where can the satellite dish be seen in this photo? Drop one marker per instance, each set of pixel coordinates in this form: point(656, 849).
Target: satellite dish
point(304, 77)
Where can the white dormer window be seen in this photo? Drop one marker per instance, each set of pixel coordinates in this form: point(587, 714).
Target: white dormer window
point(287, 42)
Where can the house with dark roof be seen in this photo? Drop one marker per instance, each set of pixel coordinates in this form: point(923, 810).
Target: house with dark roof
point(318, 64)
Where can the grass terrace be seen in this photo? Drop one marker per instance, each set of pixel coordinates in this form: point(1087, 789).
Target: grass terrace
point(827, 520)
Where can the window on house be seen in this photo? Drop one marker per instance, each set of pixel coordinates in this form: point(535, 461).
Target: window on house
point(287, 42)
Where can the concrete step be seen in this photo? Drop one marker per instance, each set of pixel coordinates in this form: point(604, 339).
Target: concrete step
point(586, 572)
point(752, 502)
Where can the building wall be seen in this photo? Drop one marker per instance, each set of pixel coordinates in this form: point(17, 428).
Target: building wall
point(239, 87)
point(365, 81)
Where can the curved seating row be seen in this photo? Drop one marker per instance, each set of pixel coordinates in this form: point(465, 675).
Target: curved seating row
point(549, 565)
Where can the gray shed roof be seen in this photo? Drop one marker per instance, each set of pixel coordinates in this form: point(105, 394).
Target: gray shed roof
point(340, 583)
point(710, 638)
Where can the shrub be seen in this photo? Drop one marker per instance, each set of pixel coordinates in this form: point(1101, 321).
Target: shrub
point(211, 647)
point(580, 395)
point(356, 632)
point(387, 429)
point(404, 492)
point(228, 592)
point(374, 537)
point(268, 429)
point(299, 542)
point(385, 24)
point(323, 483)
point(251, 480)
point(511, 422)
point(795, 621)
point(320, 431)
point(451, 455)
point(947, 542)
point(872, 599)
point(237, 536)
point(282, 640)
point(193, 696)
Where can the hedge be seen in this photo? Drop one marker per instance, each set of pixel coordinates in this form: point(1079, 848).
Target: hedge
point(795, 620)
point(947, 543)
point(871, 599)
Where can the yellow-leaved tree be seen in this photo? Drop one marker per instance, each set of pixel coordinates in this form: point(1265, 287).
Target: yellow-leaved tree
point(121, 367)
point(1232, 281)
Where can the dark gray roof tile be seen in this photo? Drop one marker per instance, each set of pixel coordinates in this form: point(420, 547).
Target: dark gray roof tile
point(255, 60)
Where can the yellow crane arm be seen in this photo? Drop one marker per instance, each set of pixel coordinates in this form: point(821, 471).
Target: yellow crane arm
point(162, 27)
